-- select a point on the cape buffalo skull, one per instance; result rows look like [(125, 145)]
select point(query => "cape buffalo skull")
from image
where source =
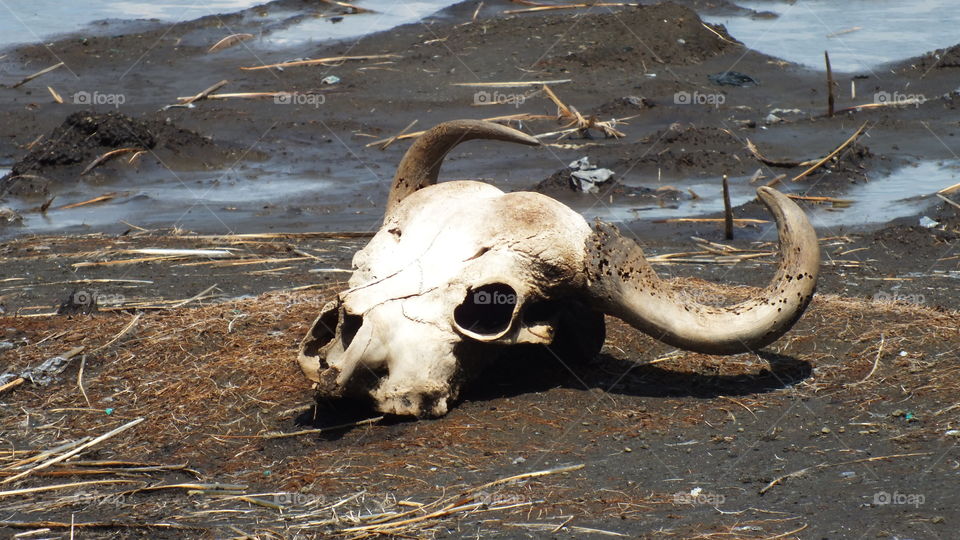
[(460, 268)]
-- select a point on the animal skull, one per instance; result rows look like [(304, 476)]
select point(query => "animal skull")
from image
[(459, 268)]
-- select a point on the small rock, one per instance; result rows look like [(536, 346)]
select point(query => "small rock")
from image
[(637, 101), (825, 430), (928, 223), (586, 177), (519, 460), (9, 216)]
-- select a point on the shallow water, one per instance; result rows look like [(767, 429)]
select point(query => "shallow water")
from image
[(389, 14), (221, 202), (29, 22), (889, 30), (710, 202), (256, 198), (900, 194), (36, 20)]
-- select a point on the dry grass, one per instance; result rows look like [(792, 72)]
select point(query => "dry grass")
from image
[(211, 381)]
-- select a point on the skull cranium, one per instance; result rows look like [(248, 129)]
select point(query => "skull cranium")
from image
[(459, 268)]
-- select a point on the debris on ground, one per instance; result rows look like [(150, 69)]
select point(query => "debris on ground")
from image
[(732, 78)]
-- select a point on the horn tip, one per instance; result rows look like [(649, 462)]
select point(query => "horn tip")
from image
[(770, 196), (532, 141)]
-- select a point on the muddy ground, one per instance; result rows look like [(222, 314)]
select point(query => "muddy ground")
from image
[(860, 396)]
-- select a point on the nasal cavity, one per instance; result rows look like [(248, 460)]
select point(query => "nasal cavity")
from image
[(323, 330), (541, 312), (351, 324), (486, 310)]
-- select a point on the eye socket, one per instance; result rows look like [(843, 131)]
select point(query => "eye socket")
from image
[(486, 310)]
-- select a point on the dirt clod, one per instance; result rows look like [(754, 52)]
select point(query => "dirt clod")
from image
[(85, 135)]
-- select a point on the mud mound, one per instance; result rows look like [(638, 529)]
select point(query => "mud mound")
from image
[(686, 150), (647, 35), (906, 235), (853, 163), (561, 185), (83, 137), (940, 59), (629, 40)]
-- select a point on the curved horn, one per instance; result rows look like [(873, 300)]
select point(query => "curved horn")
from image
[(421, 164), (626, 286)]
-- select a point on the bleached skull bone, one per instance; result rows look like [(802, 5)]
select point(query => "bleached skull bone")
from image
[(460, 269)]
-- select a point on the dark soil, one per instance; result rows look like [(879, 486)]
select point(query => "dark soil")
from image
[(678, 37), (810, 425), (940, 59), (684, 151)]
